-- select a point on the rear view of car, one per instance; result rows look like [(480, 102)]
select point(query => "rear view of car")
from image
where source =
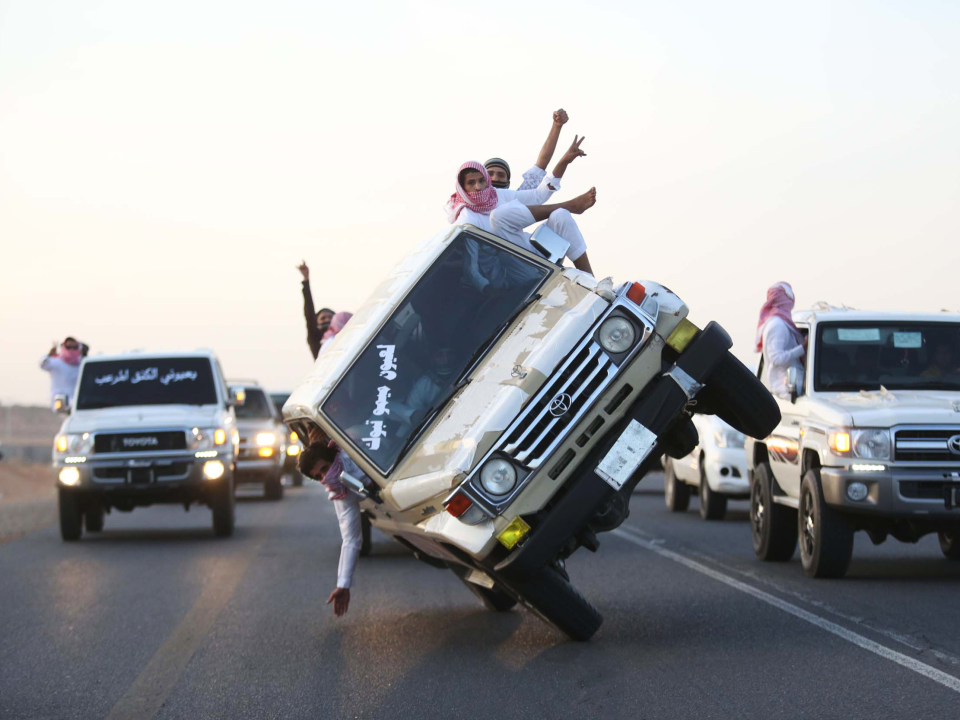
[(144, 430)]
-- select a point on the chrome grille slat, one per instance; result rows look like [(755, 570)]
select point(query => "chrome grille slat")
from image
[(547, 396), (924, 443), (611, 371), (523, 455)]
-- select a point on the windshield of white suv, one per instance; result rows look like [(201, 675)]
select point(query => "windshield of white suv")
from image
[(255, 407), (155, 381), (864, 356), (417, 360)]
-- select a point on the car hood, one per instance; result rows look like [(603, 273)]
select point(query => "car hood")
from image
[(885, 408), (143, 416)]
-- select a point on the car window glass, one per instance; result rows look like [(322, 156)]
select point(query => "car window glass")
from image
[(138, 381)]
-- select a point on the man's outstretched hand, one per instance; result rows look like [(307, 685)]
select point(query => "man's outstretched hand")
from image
[(560, 116), (341, 601), (304, 270), (574, 151)]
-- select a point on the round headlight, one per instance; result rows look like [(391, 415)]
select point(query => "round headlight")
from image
[(872, 444), (617, 335), (857, 491), (70, 476), (266, 438), (498, 477)]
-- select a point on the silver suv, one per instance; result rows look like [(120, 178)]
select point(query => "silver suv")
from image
[(263, 439)]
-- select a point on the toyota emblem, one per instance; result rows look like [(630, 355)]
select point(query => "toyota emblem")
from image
[(562, 403), (954, 444)]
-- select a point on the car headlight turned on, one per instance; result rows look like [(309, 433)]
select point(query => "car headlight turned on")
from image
[(498, 477), (213, 469), (617, 335), (74, 443), (266, 438), (868, 443), (70, 476)]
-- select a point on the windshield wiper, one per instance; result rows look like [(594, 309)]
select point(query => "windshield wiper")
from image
[(485, 345), (439, 404)]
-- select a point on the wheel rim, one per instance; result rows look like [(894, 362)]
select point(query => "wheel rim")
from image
[(757, 512), (808, 525)]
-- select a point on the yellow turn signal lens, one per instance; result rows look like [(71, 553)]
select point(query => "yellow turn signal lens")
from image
[(219, 436), (293, 437), (682, 335), (513, 533), (293, 449), (266, 452), (840, 442), (62, 443)]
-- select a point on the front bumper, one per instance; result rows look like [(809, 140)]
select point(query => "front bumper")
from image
[(726, 470), (586, 492), (169, 475), (897, 492)]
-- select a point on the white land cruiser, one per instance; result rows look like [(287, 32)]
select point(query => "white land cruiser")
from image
[(872, 442), (146, 429), (505, 408)]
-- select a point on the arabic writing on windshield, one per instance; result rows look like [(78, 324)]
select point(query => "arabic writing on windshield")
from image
[(420, 352), (866, 356), (157, 381)]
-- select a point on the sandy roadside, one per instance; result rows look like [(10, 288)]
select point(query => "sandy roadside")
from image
[(28, 499)]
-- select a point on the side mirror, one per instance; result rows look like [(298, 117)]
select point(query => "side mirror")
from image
[(238, 396), (61, 404), (549, 244), (792, 383)]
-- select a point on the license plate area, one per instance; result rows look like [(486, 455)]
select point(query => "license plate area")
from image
[(625, 457), (141, 476)]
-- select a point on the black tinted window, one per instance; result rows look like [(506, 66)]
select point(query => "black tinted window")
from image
[(158, 381)]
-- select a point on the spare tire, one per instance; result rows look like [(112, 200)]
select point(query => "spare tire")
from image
[(736, 396)]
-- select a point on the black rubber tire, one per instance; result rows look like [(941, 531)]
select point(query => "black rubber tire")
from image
[(713, 505), (736, 396), (548, 594), (681, 439), (71, 515), (676, 494), (366, 545), (494, 599), (296, 479), (826, 538), (273, 488), (223, 504), (93, 519), (950, 544), (772, 526)]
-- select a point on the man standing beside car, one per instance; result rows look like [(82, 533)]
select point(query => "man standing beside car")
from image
[(317, 322)]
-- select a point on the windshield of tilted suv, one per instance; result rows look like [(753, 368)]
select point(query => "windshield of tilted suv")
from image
[(417, 360), (905, 355), (255, 407), (157, 381)]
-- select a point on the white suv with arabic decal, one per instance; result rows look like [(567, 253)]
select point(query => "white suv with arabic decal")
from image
[(505, 408), (871, 442), (146, 429)]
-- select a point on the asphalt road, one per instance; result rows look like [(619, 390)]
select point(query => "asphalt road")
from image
[(155, 617)]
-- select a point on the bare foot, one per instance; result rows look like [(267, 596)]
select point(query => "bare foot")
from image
[(582, 202)]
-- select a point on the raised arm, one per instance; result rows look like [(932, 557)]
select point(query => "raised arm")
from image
[(309, 313), (550, 146), (572, 153)]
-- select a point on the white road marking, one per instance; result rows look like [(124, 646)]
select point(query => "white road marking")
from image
[(929, 672)]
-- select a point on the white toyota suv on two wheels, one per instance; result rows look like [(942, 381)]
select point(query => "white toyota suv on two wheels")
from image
[(146, 429), (871, 443)]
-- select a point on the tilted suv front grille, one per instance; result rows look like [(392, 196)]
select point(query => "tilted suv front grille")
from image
[(925, 444), (543, 424)]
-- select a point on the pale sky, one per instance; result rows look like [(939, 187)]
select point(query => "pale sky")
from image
[(164, 166)]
